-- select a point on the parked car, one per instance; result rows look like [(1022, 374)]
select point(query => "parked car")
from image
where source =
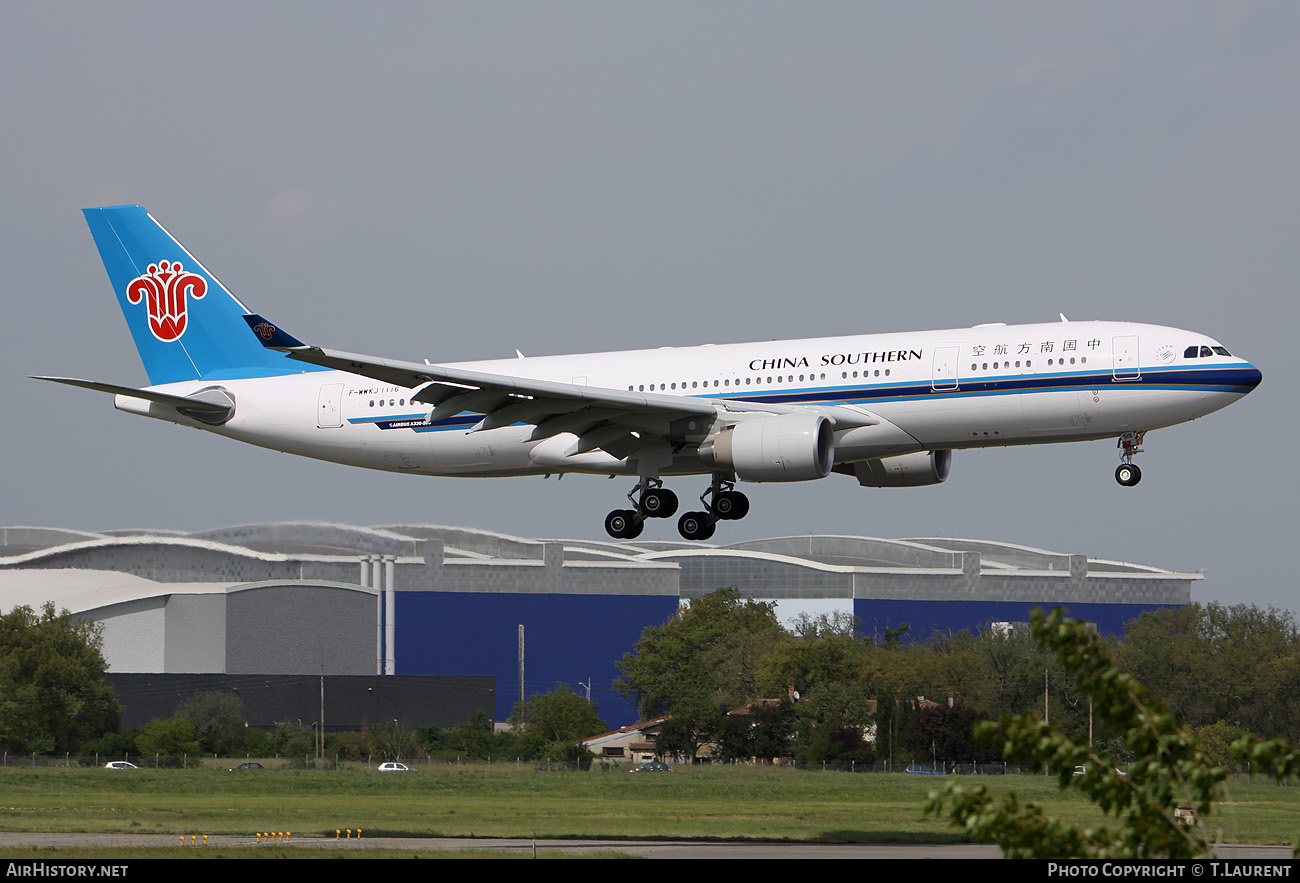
[(120, 765), (652, 767), (394, 768), (248, 765), (922, 769)]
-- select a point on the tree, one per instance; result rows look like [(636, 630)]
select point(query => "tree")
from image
[(1169, 770), (940, 734), (1208, 662), (833, 721), (217, 719), (473, 738), (774, 729), (1218, 740), (170, 737), (703, 661), (682, 736), (823, 625), (559, 717), (810, 662), (292, 739), (392, 742), (53, 692)]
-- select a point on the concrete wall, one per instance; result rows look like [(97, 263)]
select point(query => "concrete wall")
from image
[(350, 702), (131, 632), (195, 635), (301, 629)]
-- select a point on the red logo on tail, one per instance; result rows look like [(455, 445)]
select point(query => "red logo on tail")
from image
[(164, 289)]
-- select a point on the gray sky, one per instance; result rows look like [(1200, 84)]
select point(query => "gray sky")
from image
[(455, 180)]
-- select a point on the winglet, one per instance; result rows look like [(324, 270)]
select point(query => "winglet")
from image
[(273, 338)]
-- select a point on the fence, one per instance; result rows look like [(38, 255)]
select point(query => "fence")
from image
[(427, 762)]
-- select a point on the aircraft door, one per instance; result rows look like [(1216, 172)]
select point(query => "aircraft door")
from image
[(328, 415), (945, 368), (1127, 366)]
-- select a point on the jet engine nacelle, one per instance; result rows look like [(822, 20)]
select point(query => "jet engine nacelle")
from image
[(787, 447), (907, 470)]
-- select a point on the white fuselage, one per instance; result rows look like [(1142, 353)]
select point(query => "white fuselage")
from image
[(931, 390)]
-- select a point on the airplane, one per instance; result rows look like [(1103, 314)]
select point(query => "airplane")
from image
[(886, 409)]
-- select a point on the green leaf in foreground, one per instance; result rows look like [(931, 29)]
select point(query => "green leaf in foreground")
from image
[(1171, 770)]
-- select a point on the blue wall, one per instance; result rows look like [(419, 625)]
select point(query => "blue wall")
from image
[(923, 617), (568, 638)]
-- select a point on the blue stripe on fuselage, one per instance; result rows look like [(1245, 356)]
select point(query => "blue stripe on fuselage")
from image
[(1239, 379)]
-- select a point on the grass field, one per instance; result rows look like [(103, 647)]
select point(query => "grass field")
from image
[(709, 802)]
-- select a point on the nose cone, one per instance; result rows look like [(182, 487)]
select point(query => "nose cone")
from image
[(1249, 377)]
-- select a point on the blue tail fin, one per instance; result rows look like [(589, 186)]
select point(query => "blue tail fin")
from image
[(186, 325)]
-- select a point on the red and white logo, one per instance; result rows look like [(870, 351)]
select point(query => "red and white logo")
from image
[(165, 288)]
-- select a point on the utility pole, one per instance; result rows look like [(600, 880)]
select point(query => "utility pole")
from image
[(320, 729), (521, 662)]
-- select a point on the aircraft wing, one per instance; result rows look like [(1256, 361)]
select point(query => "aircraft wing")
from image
[(614, 420)]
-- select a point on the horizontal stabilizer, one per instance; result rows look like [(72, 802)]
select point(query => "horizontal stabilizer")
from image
[(215, 406)]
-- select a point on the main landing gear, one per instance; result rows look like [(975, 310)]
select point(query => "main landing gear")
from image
[(650, 499), (655, 501), (722, 502), (1127, 473)]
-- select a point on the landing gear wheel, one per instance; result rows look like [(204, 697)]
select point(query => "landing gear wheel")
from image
[(730, 505), (622, 524), (1128, 475), (695, 526), (658, 503)]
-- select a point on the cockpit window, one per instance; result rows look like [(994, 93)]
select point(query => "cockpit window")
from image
[(1193, 352)]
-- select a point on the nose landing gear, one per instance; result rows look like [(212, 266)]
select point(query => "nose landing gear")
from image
[(1127, 473)]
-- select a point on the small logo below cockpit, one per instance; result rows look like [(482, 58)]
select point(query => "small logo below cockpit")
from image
[(165, 288)]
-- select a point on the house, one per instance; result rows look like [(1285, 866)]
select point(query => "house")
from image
[(634, 743)]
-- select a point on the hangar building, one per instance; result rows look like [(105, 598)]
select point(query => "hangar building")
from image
[(308, 599)]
